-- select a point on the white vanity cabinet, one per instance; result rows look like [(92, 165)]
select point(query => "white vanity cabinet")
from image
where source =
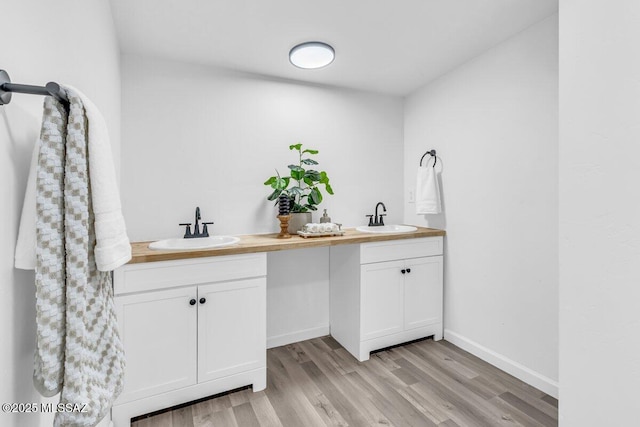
[(386, 293), (190, 328)]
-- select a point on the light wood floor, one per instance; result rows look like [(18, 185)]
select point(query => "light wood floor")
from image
[(426, 383)]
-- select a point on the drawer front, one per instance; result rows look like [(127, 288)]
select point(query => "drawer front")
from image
[(165, 274), (400, 249)]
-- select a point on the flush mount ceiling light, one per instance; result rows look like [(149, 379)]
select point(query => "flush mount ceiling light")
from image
[(312, 55)]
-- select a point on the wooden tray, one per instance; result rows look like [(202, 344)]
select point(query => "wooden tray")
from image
[(321, 234)]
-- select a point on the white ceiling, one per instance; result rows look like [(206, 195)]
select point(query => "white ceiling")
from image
[(392, 46)]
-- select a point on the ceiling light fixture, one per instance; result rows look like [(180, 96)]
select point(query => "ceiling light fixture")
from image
[(312, 55)]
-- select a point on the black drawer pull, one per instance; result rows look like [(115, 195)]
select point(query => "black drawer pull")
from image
[(403, 271), (192, 301), (203, 300), (408, 270)]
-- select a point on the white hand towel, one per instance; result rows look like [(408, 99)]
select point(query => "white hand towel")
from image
[(427, 191)]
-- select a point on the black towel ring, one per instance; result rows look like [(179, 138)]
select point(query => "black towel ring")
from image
[(431, 153)]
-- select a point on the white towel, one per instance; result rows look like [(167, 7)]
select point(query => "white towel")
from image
[(112, 243), (427, 191), (25, 257)]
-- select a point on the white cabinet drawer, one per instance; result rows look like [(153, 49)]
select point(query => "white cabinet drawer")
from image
[(400, 249), (164, 274)]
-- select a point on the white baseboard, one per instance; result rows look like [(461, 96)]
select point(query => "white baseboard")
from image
[(305, 334), (512, 367)]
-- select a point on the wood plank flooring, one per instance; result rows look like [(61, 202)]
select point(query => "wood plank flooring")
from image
[(426, 383)]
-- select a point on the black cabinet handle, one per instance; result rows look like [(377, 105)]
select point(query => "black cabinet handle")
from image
[(203, 300), (408, 270), (403, 271), (192, 302)]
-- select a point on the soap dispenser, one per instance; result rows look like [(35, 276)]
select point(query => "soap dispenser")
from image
[(325, 218)]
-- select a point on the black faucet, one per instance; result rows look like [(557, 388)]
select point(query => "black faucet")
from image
[(196, 231), (377, 220)]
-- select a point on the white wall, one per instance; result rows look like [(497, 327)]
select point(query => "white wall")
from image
[(198, 136), (599, 213), (297, 295), (69, 42), (494, 124)]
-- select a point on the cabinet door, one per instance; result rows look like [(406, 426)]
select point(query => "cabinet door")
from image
[(381, 299), (232, 328), (158, 330), (423, 292)]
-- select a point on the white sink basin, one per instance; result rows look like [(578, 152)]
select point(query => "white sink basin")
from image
[(387, 229), (196, 243)]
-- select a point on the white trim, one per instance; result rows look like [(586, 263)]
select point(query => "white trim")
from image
[(121, 414), (297, 336), (512, 367), (366, 347)]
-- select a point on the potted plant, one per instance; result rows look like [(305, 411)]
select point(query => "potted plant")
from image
[(302, 187)]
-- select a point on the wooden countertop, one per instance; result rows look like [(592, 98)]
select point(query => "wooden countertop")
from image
[(250, 243)]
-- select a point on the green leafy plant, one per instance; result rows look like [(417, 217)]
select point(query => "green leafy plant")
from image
[(304, 193)]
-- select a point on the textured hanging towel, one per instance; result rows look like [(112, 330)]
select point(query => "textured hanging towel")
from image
[(427, 191), (78, 350), (49, 257)]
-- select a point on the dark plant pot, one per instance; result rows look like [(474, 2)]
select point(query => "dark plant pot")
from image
[(298, 220)]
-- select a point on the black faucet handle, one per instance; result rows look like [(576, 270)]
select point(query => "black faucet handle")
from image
[(205, 229), (381, 221), (370, 220), (187, 232)]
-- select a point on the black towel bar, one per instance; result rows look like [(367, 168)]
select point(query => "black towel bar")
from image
[(7, 88)]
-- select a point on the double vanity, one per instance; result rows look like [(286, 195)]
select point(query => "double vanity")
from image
[(193, 322)]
